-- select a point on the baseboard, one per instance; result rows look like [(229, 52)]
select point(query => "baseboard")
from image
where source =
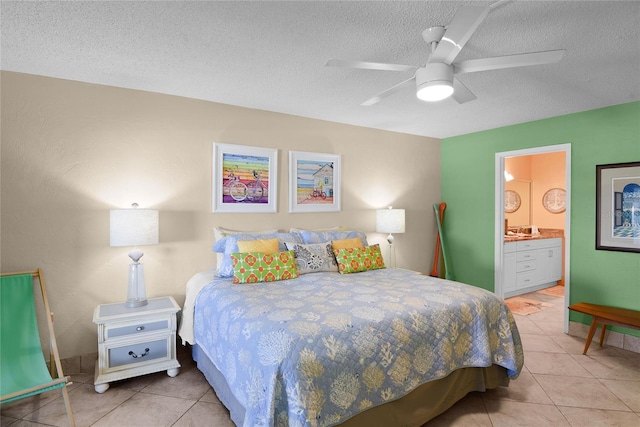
[(84, 364), (611, 338)]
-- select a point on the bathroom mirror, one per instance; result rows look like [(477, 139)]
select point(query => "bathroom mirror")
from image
[(517, 202)]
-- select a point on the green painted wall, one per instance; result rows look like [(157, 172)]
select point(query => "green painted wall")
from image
[(606, 135)]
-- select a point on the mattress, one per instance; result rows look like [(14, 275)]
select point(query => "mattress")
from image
[(325, 347)]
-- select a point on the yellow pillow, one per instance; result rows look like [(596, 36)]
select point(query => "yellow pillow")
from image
[(347, 243), (267, 246)]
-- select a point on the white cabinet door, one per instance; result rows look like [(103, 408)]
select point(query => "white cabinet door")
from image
[(549, 264), (555, 267)]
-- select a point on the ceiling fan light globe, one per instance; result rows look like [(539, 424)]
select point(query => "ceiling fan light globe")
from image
[(434, 82), (434, 91)]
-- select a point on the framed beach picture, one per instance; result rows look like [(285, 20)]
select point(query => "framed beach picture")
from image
[(245, 179), (618, 207), (314, 182)]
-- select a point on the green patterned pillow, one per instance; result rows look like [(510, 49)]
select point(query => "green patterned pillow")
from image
[(254, 267), (355, 260)]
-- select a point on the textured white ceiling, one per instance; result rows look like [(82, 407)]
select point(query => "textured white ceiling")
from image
[(271, 55)]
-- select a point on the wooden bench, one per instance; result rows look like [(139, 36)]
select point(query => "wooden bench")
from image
[(605, 315)]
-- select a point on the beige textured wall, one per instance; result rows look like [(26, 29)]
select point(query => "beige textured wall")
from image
[(72, 151)]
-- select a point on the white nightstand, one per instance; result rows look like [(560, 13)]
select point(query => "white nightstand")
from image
[(135, 341)]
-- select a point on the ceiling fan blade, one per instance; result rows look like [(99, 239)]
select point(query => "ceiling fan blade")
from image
[(384, 94), (369, 65), (460, 92), (509, 61), (463, 25)]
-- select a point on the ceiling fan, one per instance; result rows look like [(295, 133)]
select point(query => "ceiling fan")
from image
[(436, 80)]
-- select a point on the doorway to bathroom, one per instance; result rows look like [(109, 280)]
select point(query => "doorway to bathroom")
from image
[(533, 193)]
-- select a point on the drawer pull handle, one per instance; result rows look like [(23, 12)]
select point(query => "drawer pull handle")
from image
[(135, 356), (140, 328)]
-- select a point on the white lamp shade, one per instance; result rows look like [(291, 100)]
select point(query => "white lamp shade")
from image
[(390, 220), (133, 227)]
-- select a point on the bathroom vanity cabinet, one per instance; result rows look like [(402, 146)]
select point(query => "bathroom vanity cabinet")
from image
[(531, 265)]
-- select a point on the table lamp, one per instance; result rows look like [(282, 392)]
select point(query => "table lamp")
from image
[(390, 221), (134, 227)]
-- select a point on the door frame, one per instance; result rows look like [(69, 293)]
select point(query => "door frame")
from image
[(499, 217)]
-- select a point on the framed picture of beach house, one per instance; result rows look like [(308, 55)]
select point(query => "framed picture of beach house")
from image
[(245, 179), (314, 182)]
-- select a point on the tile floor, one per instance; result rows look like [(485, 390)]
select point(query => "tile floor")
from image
[(558, 386)]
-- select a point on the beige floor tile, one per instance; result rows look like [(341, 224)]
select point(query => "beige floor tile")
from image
[(82, 378), (526, 326), (147, 410), (611, 368), (579, 392), (504, 413), (599, 417), (205, 414), (87, 406), (539, 343), (570, 344), (25, 423), (468, 412), (188, 384), (549, 328), (546, 316), (523, 389), (210, 396), (553, 364), (627, 391), (21, 408), (6, 421)]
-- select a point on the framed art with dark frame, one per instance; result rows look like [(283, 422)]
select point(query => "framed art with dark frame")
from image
[(314, 182), (618, 207), (245, 179)]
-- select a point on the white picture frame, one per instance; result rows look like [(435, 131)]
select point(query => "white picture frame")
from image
[(245, 179), (314, 182)]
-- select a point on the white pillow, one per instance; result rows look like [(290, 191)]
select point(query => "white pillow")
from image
[(221, 233)]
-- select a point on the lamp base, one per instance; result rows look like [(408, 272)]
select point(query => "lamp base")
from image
[(136, 303), (136, 293)]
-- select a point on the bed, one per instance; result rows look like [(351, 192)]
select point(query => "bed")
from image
[(379, 347)]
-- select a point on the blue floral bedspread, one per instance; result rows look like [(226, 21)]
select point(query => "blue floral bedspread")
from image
[(319, 349)]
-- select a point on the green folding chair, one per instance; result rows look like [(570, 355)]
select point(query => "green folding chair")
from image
[(23, 369)]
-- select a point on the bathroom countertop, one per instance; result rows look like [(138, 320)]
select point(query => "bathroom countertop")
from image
[(545, 233)]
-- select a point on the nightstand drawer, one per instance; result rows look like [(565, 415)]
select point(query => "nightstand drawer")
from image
[(137, 353), (137, 328)]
